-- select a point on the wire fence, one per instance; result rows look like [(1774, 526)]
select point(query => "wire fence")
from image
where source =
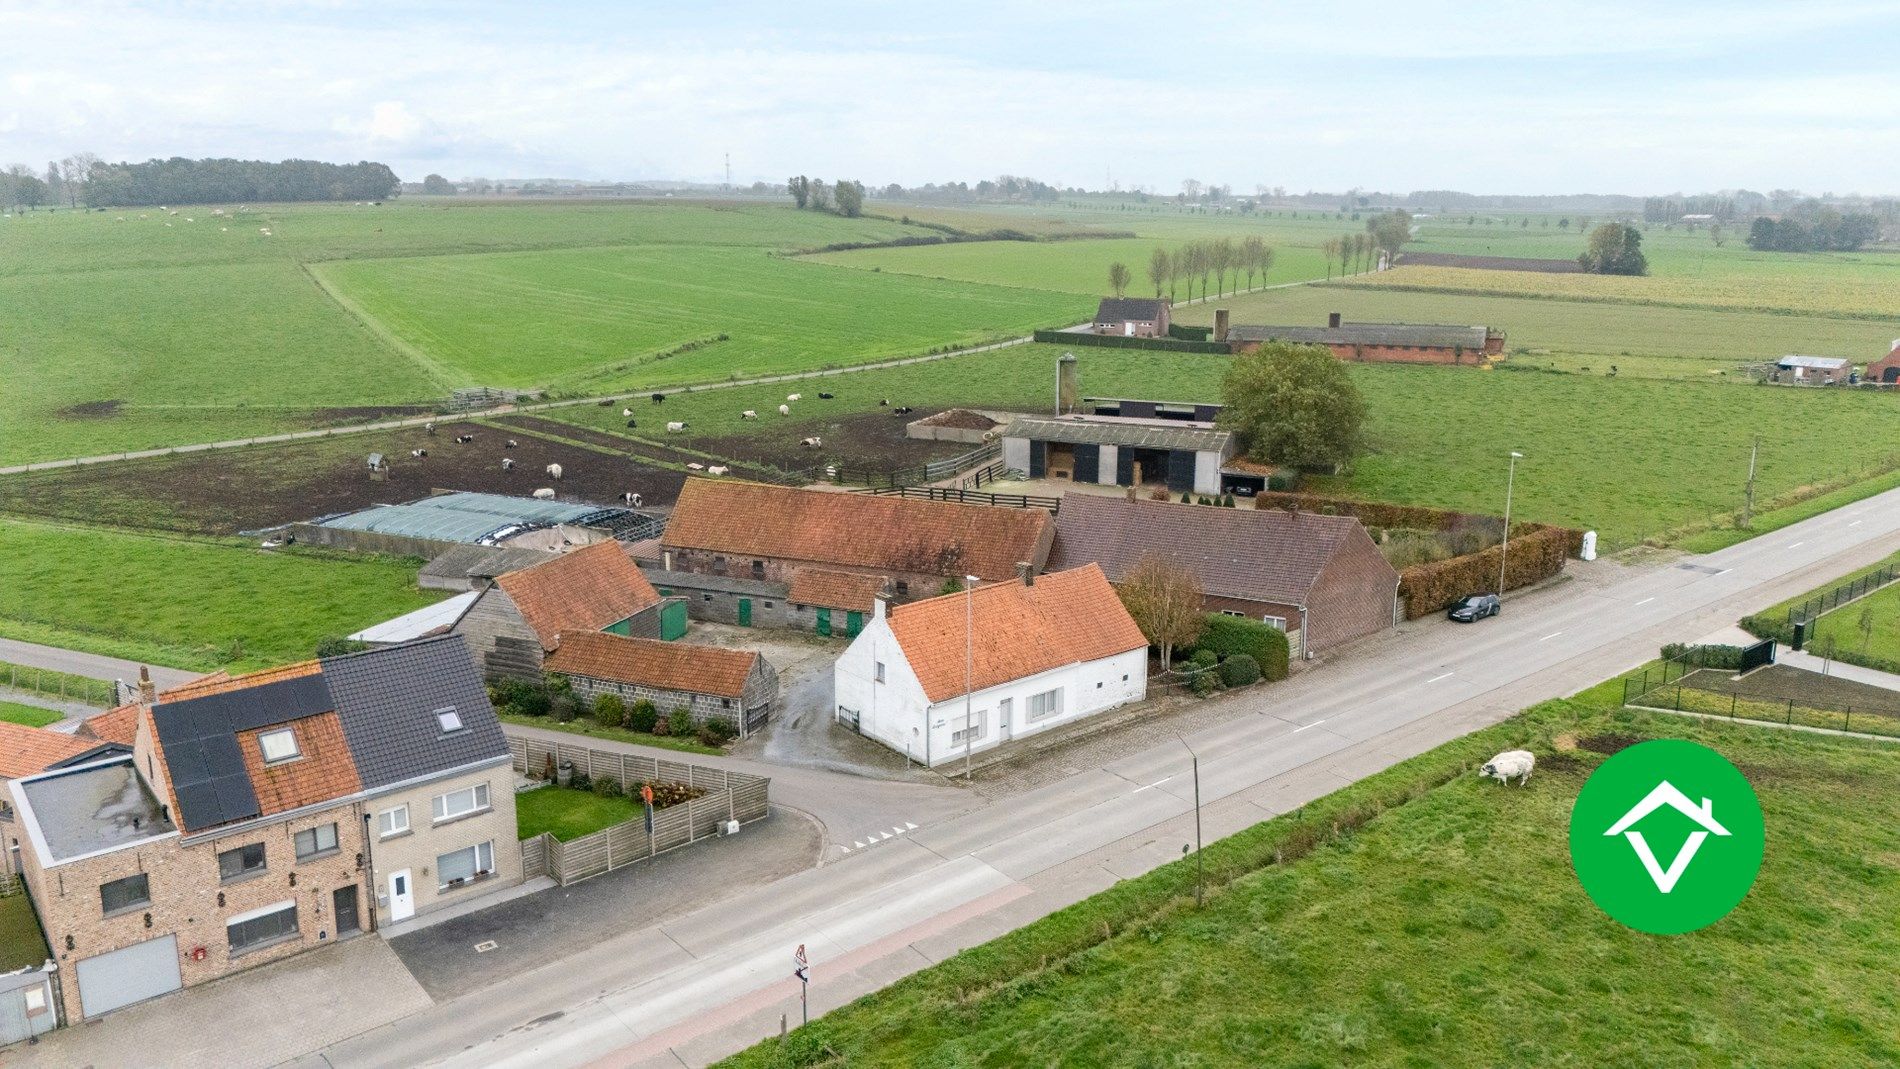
[(61, 685), (1808, 710), (1821, 604)]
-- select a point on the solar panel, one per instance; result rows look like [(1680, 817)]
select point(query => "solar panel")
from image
[(199, 737)]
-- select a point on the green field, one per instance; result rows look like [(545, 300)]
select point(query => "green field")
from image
[(1079, 267), (32, 716), (197, 605), (1425, 917)]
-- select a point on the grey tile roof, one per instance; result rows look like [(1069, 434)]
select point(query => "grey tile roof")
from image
[(1136, 435), (388, 700), (461, 562), (1415, 335), (1121, 309), (1253, 554)]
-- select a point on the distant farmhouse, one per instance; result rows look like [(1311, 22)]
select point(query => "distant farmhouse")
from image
[(1812, 370), (1380, 343), (1886, 370), (513, 625), (1132, 317)]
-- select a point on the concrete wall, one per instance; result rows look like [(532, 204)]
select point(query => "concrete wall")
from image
[(715, 599), (746, 713), (418, 848), (1016, 454), (310, 534)]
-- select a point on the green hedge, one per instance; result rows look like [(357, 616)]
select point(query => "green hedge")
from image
[(1186, 333), (1232, 636), (1117, 341)]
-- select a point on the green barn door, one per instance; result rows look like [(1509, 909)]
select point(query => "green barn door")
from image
[(673, 620), (745, 612), (824, 622), (853, 623)]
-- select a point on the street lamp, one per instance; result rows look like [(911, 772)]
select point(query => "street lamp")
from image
[(1510, 481), (969, 667), (1200, 868)]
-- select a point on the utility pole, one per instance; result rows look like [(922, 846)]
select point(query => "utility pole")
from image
[(1200, 866), (728, 172), (1504, 547), (1748, 498)]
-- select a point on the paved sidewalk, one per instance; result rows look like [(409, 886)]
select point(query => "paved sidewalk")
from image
[(1873, 677)]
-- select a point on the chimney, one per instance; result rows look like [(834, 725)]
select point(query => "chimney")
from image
[(1066, 385), (1220, 324), (148, 692), (1332, 320), (1027, 571), (879, 602)]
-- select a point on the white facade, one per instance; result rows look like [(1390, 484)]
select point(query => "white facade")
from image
[(873, 683), (1207, 472)]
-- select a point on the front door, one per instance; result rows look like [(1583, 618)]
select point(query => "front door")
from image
[(402, 896), (745, 612), (1003, 709), (853, 622), (824, 622), (347, 922)]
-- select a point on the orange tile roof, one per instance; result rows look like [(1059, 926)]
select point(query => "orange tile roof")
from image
[(221, 681), (857, 530), (834, 590), (323, 769), (649, 662), (119, 725), (25, 750), (1064, 618), (587, 590)]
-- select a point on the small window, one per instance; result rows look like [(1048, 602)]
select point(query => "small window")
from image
[(461, 803), (880, 671), (1230, 612), (392, 821), (903, 588), (129, 893), (318, 840), (705, 597), (279, 745), (1278, 623), (1045, 705), (464, 865), (758, 569), (239, 861), (768, 604), (449, 719), (967, 734), (725, 703), (719, 565), (273, 927)]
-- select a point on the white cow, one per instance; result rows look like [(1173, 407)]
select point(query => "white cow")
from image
[(554, 471), (717, 469), (676, 426), (794, 396), (546, 493), (1510, 763), (785, 410)]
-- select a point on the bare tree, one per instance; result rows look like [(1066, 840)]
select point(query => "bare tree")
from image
[(1252, 251), (1191, 188), (1166, 601), (1330, 250), (1224, 258), (1160, 265), (1118, 277)]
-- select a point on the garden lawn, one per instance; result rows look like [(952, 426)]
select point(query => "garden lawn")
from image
[(1447, 929), (32, 716), (190, 604), (21, 944), (569, 814)]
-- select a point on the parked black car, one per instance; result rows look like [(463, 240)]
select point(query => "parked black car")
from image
[(1474, 607)]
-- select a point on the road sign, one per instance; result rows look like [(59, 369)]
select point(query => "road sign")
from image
[(802, 970)]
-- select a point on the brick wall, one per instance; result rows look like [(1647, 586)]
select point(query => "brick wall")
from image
[(1355, 594)]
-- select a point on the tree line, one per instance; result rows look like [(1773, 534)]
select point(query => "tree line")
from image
[(85, 178), (844, 197), (1208, 261), (1813, 227), (63, 182)]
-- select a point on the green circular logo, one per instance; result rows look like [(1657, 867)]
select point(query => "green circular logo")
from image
[(1667, 837)]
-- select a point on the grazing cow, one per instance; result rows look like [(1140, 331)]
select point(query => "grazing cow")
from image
[(748, 414), (794, 396), (884, 402), (464, 439), (902, 411), (430, 427), (659, 398), (717, 469), (1508, 764), (826, 396), (418, 453), (694, 465), (554, 471), (631, 498), (546, 493), (507, 463), (812, 443), (677, 426), (785, 410), (510, 444), (633, 423)]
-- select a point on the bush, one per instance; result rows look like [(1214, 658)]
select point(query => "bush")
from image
[(610, 711), (1205, 683), (1204, 658), (661, 727), (1705, 656), (680, 721), (1240, 670), (606, 786), (642, 716), (1229, 636), (336, 647), (563, 708), (717, 732), (579, 780)]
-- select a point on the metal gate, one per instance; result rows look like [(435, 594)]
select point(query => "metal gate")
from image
[(134, 974), (673, 620), (1756, 656), (824, 622)]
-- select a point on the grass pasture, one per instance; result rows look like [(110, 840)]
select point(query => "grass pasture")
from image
[(1426, 917), (32, 716), (1079, 267)]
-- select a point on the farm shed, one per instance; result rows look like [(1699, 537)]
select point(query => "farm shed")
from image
[(739, 687), (513, 624), (1382, 343), (1120, 451), (426, 527), (1132, 317), (1141, 408), (1811, 370), (1886, 370), (1040, 653), (827, 602), (1319, 578), (470, 567), (723, 599)]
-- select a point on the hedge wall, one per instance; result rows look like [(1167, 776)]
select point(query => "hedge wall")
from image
[(1536, 553), (1117, 341), (1187, 333), (1231, 636)]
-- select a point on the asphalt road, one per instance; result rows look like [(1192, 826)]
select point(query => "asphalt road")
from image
[(692, 989), (93, 665)]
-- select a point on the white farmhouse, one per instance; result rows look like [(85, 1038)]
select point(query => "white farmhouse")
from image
[(1041, 652)]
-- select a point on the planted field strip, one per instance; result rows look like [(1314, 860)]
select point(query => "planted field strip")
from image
[(61, 685), (1787, 288), (729, 796)]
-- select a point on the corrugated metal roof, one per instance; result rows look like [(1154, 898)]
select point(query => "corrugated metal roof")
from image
[(421, 623), (1134, 435), (1415, 335), (469, 517), (1824, 363)]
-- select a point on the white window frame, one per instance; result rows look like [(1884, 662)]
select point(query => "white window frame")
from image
[(265, 739), (386, 822), (1278, 623), (982, 718), (449, 720), (316, 839), (484, 864), (440, 806), (1050, 703)]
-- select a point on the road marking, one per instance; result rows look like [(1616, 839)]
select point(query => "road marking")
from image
[(897, 830), (908, 825), (1435, 679), (1646, 601), (858, 844), (845, 848), (1795, 545), (1550, 636), (1856, 523), (1156, 783), (1303, 727), (485, 947), (884, 836)]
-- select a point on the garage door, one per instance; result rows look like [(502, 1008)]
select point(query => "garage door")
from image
[(127, 976)]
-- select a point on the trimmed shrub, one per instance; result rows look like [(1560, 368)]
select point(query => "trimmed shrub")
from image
[(680, 721), (563, 708), (717, 732), (1228, 636), (1704, 656), (606, 786), (1205, 683), (1240, 670), (579, 780), (610, 711), (642, 716), (1204, 658)]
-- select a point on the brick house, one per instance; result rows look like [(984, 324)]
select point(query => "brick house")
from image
[(730, 545), (1040, 653), (711, 682), (825, 602), (513, 624), (1886, 370), (1382, 343), (241, 827), (1132, 317), (1319, 578)]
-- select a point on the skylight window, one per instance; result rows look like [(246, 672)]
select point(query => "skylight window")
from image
[(449, 719), (279, 745)]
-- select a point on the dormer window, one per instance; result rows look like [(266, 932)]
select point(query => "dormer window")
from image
[(449, 719), (279, 745)]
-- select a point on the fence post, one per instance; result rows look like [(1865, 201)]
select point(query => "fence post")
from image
[(1731, 705), (1678, 697), (1790, 717), (1848, 719)]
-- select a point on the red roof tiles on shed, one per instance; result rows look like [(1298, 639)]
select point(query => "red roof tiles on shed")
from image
[(649, 662), (587, 590)]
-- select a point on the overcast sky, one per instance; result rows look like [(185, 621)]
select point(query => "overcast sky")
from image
[(1633, 96)]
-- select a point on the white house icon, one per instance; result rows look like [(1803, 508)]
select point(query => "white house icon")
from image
[(1667, 794)]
